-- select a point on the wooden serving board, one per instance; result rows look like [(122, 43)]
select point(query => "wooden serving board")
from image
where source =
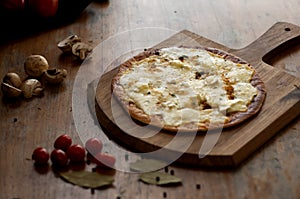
[(234, 145)]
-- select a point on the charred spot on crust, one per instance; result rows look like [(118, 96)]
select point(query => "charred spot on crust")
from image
[(157, 53)]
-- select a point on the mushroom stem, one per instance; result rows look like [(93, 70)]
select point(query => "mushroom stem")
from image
[(81, 50)]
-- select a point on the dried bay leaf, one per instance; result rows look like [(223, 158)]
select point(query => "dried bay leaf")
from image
[(159, 178), (146, 165), (87, 179)]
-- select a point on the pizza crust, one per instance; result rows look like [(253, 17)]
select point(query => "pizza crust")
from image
[(155, 120)]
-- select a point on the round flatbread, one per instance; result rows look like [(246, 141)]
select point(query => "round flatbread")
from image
[(188, 88)]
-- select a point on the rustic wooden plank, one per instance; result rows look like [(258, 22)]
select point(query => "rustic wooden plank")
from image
[(276, 39), (236, 144), (272, 172)]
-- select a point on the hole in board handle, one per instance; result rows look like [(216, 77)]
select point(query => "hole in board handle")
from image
[(286, 55), (287, 29)]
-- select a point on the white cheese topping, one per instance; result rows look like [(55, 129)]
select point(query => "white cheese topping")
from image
[(186, 85)]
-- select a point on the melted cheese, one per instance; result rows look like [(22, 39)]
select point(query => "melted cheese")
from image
[(178, 82)]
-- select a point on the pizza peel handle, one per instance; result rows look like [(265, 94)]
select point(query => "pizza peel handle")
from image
[(279, 37)]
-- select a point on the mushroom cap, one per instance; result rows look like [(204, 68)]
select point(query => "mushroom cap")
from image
[(31, 87), (55, 76), (35, 65), (66, 44), (81, 49), (13, 79)]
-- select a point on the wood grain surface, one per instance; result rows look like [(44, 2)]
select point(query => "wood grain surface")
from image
[(271, 172), (234, 144)]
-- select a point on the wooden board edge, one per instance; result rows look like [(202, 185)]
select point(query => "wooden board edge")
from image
[(241, 153), (230, 159)]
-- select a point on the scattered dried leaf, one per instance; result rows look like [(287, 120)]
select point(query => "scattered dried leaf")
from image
[(87, 179), (159, 178)]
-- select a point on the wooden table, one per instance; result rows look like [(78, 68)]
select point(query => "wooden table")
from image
[(271, 172)]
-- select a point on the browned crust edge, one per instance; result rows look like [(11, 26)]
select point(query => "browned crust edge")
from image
[(155, 120)]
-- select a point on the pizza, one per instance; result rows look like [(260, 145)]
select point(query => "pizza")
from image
[(188, 88)]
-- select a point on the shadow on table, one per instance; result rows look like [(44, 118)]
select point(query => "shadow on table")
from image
[(18, 25)]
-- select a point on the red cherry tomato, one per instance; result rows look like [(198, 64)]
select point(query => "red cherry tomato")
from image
[(105, 160), (63, 142), (93, 146), (13, 4), (45, 8), (76, 153), (59, 158), (40, 155)]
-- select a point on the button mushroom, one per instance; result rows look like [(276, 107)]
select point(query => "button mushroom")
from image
[(81, 50), (10, 85), (12, 79), (55, 76), (10, 91), (66, 44), (35, 65), (31, 87)]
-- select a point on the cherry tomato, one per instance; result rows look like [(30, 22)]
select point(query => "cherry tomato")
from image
[(105, 160), (76, 153), (77, 166), (13, 4), (45, 8), (93, 146), (59, 158), (63, 142), (40, 155)]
